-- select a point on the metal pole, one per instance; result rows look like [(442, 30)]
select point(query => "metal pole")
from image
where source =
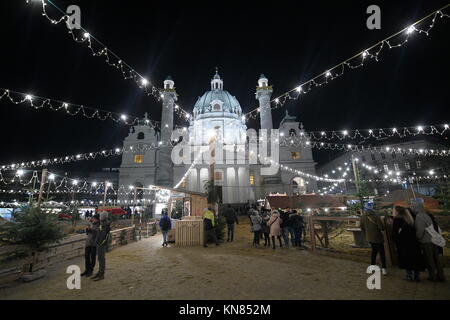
[(32, 191), (134, 209), (41, 189), (106, 191), (48, 189), (356, 174)]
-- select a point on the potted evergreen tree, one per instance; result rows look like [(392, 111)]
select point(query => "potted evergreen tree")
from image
[(33, 228)]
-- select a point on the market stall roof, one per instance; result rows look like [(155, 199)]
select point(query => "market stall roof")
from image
[(311, 201), (403, 197)]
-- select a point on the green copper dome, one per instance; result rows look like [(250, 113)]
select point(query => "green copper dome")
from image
[(217, 100)]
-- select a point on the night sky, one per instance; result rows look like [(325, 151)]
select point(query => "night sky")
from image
[(290, 42)]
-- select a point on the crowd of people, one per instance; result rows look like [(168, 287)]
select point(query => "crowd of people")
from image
[(417, 238), (286, 226)]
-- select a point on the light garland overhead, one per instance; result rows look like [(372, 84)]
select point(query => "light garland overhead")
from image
[(356, 61), (378, 133), (300, 173), (83, 36), (80, 157), (295, 141), (112, 59), (70, 108)]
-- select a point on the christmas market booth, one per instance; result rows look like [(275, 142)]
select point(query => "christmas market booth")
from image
[(185, 209)]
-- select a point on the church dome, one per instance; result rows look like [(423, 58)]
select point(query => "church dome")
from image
[(217, 102)]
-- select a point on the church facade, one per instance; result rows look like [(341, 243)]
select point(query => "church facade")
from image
[(216, 113)]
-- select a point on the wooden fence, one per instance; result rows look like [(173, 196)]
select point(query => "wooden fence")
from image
[(68, 248), (189, 232), (314, 235)]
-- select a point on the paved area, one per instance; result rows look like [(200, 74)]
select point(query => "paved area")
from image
[(146, 270)]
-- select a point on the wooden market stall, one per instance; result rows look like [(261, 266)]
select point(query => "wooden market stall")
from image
[(185, 209)]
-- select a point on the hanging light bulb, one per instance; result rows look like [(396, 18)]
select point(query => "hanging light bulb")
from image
[(410, 30)]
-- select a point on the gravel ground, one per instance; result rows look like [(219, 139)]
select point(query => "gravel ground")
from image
[(145, 270)]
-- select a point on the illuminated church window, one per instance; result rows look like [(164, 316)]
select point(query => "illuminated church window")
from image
[(138, 158)]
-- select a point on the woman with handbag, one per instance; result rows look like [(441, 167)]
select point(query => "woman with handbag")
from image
[(275, 227), (408, 249), (256, 227), (430, 241)]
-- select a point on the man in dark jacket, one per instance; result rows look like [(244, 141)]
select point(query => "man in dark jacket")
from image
[(209, 226), (102, 244), (231, 219), (90, 250), (297, 227), (284, 215), (373, 228)]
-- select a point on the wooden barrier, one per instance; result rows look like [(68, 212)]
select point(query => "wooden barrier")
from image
[(121, 237), (389, 244), (189, 232), (66, 249), (312, 230)]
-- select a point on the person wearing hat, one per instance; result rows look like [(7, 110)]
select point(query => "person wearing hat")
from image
[(90, 250), (102, 244), (373, 228)]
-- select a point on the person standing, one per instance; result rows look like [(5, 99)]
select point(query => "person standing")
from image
[(408, 249), (256, 227), (102, 244), (209, 226), (284, 215), (90, 250), (275, 227), (429, 249), (296, 228), (165, 225), (265, 229), (231, 218), (372, 226)]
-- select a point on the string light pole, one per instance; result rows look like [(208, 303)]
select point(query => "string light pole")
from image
[(106, 191), (356, 174), (41, 189)]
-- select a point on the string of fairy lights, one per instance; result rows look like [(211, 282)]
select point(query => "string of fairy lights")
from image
[(379, 133), (302, 143), (356, 61), (312, 139), (98, 49), (323, 78), (71, 109)]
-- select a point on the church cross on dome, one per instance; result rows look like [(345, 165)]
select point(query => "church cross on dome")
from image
[(216, 82)]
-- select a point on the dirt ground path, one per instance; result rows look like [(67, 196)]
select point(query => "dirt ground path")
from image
[(145, 270)]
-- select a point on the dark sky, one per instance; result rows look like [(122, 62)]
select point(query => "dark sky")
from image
[(288, 41)]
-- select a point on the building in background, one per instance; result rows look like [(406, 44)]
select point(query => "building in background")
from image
[(387, 170), (216, 112)]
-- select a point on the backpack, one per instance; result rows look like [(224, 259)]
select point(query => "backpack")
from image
[(436, 238), (165, 224)]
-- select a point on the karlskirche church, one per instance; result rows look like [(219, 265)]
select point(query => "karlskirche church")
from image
[(216, 111)]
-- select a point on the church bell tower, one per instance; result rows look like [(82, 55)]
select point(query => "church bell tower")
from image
[(165, 165)]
